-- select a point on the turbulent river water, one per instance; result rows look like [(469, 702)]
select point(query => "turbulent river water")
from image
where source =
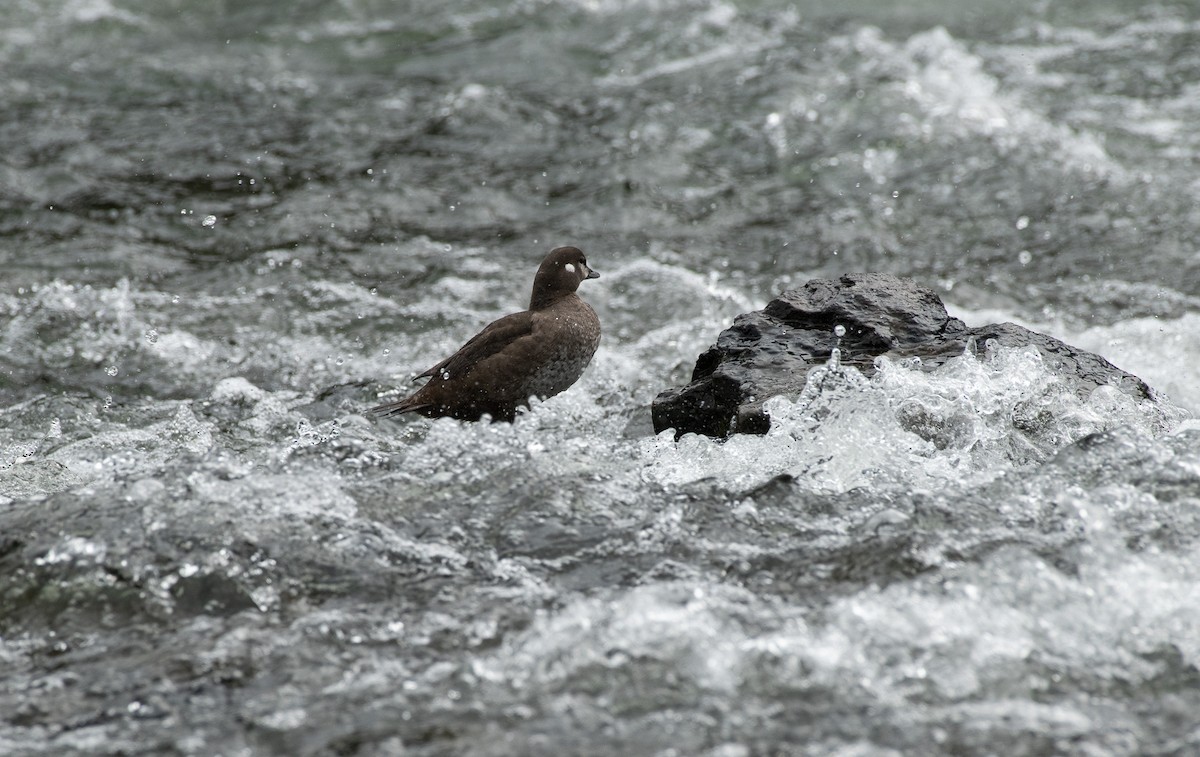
[(227, 228)]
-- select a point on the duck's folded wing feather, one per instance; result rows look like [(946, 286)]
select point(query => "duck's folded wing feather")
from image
[(494, 338)]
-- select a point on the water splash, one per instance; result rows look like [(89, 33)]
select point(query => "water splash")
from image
[(835, 354), (965, 422)]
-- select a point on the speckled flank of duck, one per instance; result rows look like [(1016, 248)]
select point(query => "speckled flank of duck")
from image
[(538, 352)]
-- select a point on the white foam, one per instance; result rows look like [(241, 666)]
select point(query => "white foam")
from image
[(1165, 353), (942, 90), (967, 421), (974, 630), (687, 626)]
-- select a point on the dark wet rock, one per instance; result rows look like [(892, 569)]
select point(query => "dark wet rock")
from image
[(770, 351)]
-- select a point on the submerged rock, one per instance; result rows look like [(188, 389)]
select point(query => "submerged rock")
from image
[(770, 351)]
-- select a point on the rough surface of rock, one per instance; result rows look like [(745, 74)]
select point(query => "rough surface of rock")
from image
[(770, 351)]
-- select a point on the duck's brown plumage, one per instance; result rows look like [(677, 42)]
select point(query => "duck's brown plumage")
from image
[(537, 352)]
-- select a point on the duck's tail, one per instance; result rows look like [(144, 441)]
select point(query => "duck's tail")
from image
[(406, 405)]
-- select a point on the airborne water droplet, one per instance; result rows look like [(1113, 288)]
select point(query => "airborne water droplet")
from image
[(112, 370), (835, 354), (209, 221)]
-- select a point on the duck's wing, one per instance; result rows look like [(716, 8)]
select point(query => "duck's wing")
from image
[(496, 336)]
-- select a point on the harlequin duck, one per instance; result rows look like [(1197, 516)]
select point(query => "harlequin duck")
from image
[(538, 352)]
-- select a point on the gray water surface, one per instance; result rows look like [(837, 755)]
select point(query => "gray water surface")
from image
[(228, 228)]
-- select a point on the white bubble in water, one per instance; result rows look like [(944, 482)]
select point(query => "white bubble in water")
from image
[(152, 336), (209, 221), (112, 370), (839, 330), (1023, 223), (1024, 257)]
